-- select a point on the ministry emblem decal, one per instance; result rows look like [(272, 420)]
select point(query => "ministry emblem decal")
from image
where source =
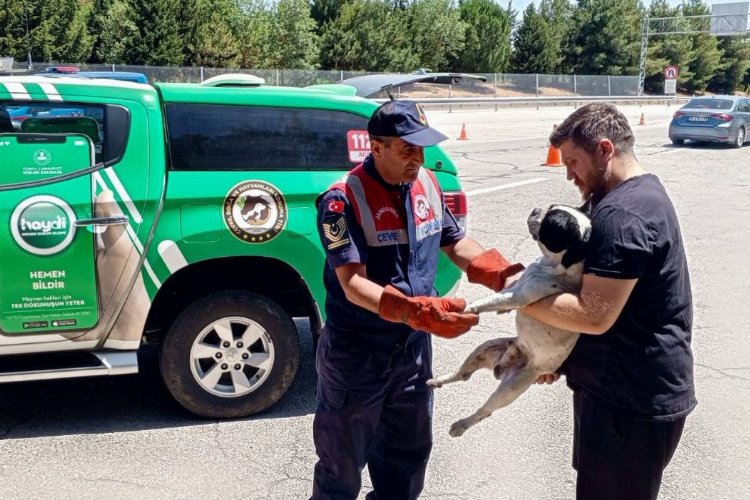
[(255, 211)]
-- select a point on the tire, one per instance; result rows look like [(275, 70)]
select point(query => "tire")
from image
[(678, 142), (229, 355), (740, 140)]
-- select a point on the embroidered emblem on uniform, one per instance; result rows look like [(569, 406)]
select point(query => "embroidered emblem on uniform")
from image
[(336, 206), (336, 233), (422, 117), (421, 207)]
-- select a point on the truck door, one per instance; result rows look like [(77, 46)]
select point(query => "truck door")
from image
[(74, 221), (48, 282)]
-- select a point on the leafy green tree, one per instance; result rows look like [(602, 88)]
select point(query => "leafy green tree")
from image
[(605, 37), (12, 29), (253, 25), (117, 30), (487, 39), (735, 63), (706, 55), (63, 30), (158, 41), (666, 50), (533, 45), (324, 11), (368, 35), (557, 14), (293, 39), (207, 34), (437, 32)]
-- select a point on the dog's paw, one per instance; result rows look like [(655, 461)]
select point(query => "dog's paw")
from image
[(434, 383), (457, 429)]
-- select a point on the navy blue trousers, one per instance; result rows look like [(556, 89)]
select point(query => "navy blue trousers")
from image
[(374, 408), (618, 458)]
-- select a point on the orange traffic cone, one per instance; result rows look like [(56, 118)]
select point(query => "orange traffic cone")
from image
[(643, 120), (462, 135), (553, 155)]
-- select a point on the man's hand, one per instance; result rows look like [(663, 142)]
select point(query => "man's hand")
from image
[(491, 269), (442, 317), (548, 378)]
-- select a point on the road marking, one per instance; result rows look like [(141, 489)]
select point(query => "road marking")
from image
[(507, 186)]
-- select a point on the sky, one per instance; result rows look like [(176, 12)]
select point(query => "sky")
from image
[(520, 5)]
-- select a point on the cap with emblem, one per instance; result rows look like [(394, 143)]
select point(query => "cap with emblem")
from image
[(406, 120)]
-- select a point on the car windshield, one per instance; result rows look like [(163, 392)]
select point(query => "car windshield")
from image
[(724, 104)]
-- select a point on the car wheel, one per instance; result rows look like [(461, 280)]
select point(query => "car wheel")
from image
[(229, 355), (740, 138), (678, 142)]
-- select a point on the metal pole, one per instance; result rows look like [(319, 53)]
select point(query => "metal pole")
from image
[(644, 49), (28, 38), (609, 85), (495, 91), (537, 90), (575, 85)]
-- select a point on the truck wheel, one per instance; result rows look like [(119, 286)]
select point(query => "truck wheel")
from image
[(230, 354)]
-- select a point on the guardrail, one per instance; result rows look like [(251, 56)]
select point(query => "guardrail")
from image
[(539, 100)]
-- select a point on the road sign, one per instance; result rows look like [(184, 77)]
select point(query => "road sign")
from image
[(671, 73), (670, 86)]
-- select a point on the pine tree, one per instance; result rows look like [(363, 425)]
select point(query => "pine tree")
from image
[(117, 32), (557, 14), (294, 39), (62, 34), (206, 33), (437, 32), (159, 41), (13, 41), (605, 37), (487, 47), (533, 49)]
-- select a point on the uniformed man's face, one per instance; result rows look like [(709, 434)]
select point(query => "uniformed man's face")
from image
[(397, 160)]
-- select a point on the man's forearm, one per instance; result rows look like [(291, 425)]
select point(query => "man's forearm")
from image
[(568, 312)]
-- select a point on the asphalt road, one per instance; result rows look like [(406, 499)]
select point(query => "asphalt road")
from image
[(124, 437)]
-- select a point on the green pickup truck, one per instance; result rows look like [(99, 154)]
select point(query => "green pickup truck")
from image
[(176, 214)]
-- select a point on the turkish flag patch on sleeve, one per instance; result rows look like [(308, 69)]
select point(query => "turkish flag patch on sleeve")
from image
[(335, 206)]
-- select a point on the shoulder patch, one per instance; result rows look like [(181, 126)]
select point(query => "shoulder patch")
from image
[(336, 231)]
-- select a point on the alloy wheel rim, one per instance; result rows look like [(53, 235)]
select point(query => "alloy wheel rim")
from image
[(232, 357)]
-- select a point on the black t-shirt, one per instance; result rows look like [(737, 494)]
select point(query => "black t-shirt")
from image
[(643, 365)]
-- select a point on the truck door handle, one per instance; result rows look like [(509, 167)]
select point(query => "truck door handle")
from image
[(114, 220)]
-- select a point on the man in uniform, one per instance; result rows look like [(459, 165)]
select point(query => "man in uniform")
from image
[(383, 228)]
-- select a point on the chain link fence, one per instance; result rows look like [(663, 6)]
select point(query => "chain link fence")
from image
[(496, 84)]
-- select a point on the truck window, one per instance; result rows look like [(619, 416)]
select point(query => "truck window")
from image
[(108, 125), (54, 118), (228, 137)]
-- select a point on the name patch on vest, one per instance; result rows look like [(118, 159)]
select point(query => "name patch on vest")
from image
[(428, 228)]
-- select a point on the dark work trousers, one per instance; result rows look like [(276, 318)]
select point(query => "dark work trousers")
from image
[(618, 458), (374, 408)]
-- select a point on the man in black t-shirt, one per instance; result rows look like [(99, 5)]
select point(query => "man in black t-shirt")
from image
[(632, 370)]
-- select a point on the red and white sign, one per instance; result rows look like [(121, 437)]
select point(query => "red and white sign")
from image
[(358, 142), (671, 73)]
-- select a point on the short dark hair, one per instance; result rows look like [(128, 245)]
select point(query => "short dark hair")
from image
[(385, 140), (589, 124)]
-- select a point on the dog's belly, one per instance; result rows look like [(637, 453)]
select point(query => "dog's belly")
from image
[(546, 347)]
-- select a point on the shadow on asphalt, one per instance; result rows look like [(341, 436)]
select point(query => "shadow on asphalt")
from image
[(710, 146), (129, 402)]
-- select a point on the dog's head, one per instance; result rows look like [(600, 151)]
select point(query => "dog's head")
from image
[(561, 232)]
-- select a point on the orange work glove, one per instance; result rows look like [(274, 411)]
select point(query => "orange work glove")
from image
[(442, 317), (491, 269)]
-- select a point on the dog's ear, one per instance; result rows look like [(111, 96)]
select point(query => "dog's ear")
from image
[(586, 207), (577, 250)]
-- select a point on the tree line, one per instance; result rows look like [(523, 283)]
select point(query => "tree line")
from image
[(594, 37)]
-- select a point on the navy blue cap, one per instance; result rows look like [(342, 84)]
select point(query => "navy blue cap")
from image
[(406, 120)]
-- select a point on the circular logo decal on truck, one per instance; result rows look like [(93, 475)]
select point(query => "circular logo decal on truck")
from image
[(255, 211), (43, 225)]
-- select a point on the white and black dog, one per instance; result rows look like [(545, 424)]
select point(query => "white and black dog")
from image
[(562, 233)]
